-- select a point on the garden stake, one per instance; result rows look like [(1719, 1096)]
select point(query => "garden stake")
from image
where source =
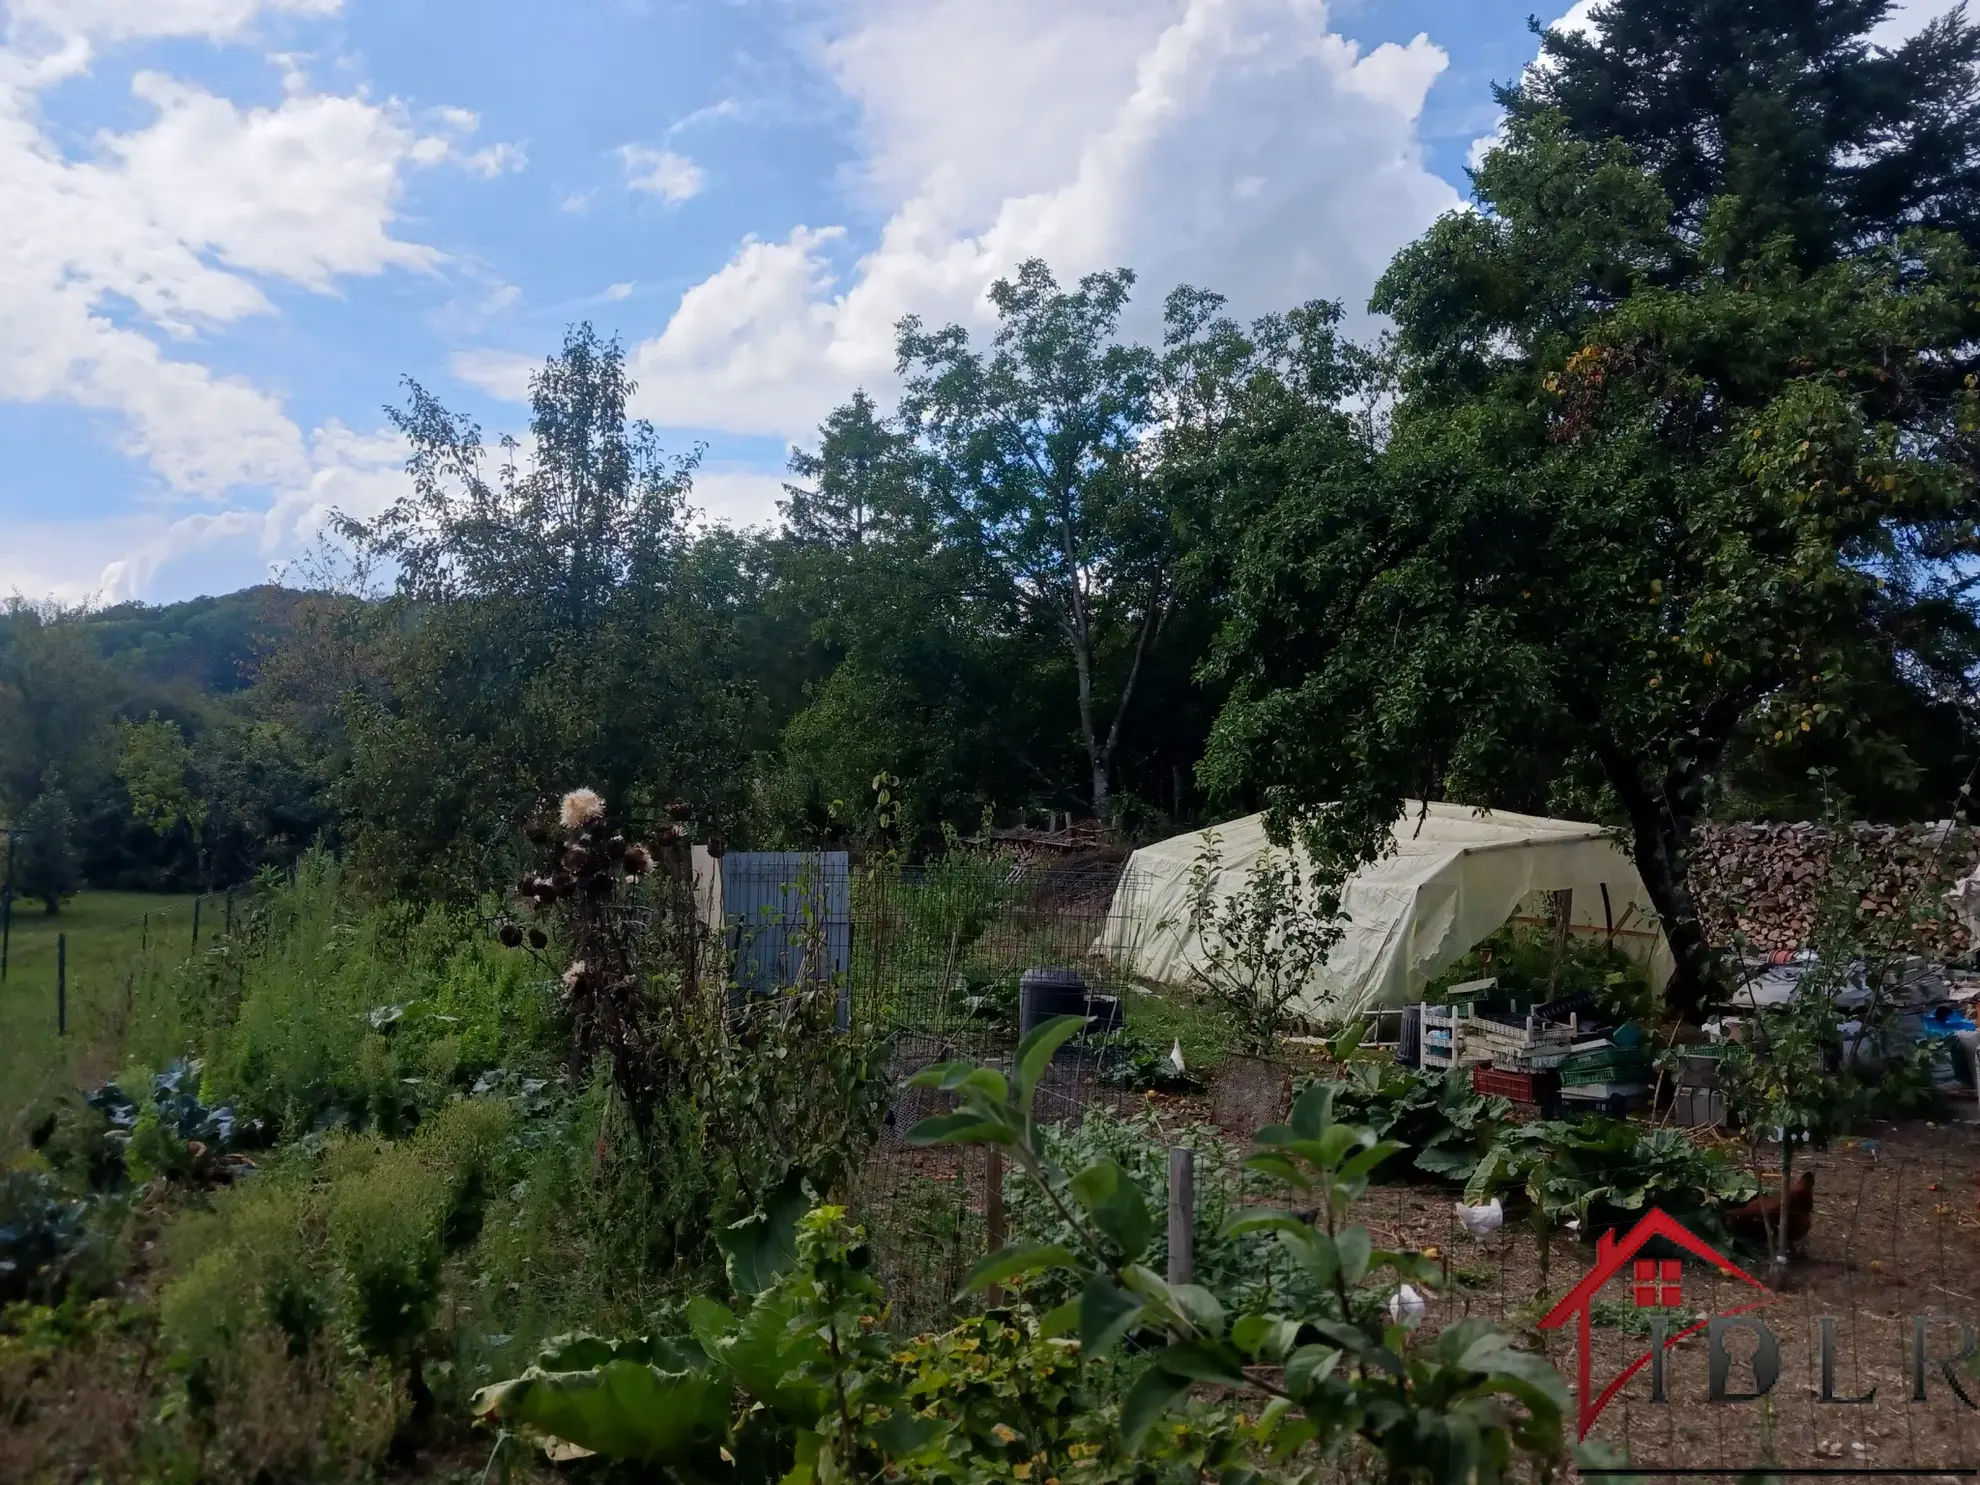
[(1182, 1215), (993, 1212), (195, 942), (61, 984), (6, 931)]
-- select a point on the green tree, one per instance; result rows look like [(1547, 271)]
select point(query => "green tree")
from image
[(55, 701), (914, 666), (45, 861), (1783, 105), (1035, 461), (1637, 493), (550, 625), (155, 765)]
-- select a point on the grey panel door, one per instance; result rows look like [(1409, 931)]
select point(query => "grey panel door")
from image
[(789, 916)]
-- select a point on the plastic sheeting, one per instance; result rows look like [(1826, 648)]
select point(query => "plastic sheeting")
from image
[(1454, 876)]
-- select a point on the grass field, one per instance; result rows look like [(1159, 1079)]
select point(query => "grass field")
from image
[(110, 936)]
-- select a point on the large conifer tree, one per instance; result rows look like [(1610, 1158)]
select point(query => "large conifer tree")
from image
[(1787, 105)]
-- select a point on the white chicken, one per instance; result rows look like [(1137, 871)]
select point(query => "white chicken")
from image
[(1406, 1306), (1481, 1221)]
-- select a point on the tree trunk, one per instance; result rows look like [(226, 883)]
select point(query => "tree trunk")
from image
[(1660, 851)]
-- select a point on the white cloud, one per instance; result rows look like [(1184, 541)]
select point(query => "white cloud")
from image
[(130, 20), (118, 261), (496, 159), (168, 229), (726, 108), (1239, 144), (737, 495), (503, 374), (673, 178), (618, 291), (211, 551)]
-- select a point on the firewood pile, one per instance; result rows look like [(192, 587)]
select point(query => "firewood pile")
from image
[(1762, 886)]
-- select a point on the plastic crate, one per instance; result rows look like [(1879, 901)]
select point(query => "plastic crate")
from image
[(1538, 1088), (1610, 1065)]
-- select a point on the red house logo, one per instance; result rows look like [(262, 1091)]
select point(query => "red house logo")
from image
[(1654, 1283)]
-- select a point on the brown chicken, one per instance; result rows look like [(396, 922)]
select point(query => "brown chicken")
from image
[(1759, 1220)]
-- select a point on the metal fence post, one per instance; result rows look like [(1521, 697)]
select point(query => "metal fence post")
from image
[(230, 912), (993, 1212), (195, 942), (1182, 1215), (144, 936), (61, 984), (6, 931)]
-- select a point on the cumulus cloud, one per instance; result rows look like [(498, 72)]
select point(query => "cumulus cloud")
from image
[(1239, 144), (737, 495), (120, 260), (673, 178)]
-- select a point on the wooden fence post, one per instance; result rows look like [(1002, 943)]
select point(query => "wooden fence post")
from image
[(1182, 1215), (61, 984), (993, 1212)]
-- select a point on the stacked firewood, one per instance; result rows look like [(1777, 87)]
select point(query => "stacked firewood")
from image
[(1766, 886)]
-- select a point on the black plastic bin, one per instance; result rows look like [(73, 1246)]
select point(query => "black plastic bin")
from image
[(1045, 993)]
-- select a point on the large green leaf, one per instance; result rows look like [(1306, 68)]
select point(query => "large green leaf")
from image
[(1034, 1053), (1116, 1205), (764, 1245), (765, 1352), (1106, 1313), (1020, 1260), (622, 1410), (1154, 1392), (961, 1128)]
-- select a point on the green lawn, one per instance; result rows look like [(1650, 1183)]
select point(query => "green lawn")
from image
[(111, 936)]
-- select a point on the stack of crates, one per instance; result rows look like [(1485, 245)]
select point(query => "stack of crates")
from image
[(1698, 1102), (1614, 1079), (1447, 1037), (1522, 1043)]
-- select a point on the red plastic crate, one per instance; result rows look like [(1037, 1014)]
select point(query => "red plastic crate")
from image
[(1541, 1088)]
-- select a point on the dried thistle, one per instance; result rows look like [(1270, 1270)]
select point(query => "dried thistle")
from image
[(638, 862), (581, 808), (576, 977), (509, 935), (538, 939)]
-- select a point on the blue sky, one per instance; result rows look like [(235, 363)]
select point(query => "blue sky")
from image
[(228, 228)]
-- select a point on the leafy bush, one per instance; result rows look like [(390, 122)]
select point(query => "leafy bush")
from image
[(170, 1133), (291, 1031), (1606, 1172), (1244, 1270), (46, 1236), (803, 1383), (1256, 947), (1436, 1114), (1532, 967)]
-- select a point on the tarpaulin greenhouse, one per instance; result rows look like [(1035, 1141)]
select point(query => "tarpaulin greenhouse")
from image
[(1455, 876)]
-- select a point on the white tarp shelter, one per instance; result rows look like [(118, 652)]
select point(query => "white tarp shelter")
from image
[(1454, 876)]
